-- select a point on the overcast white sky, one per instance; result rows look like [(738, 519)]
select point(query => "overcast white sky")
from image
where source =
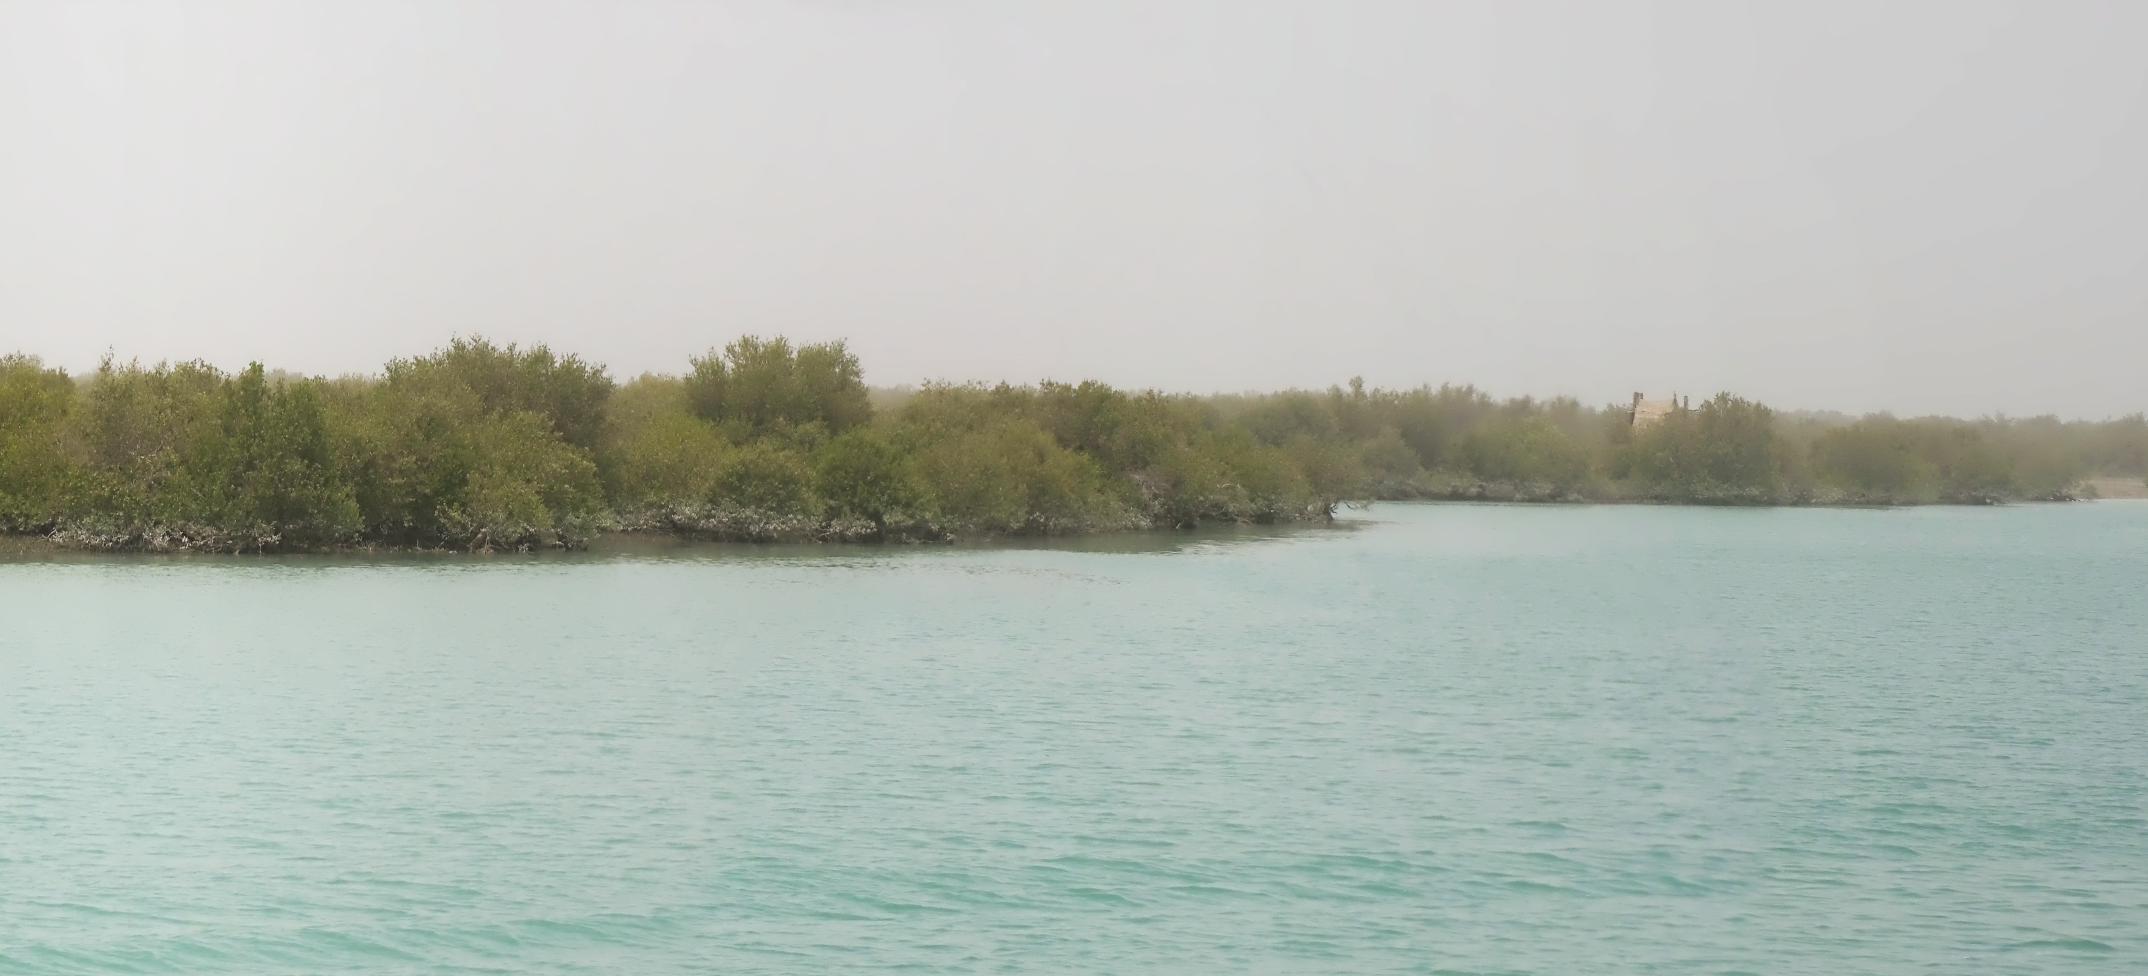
[(1916, 206)]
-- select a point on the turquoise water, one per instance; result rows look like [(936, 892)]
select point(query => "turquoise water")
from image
[(1445, 738)]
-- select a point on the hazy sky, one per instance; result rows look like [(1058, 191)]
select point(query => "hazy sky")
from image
[(1918, 206)]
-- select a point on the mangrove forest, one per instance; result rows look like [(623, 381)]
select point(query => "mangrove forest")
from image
[(481, 446)]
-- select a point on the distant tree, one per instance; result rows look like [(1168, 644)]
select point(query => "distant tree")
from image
[(568, 392), (137, 427), (478, 446), (1875, 459), (37, 477), (2117, 446), (1524, 449), (269, 463), (765, 383), (1010, 476), (1278, 419), (1726, 450)]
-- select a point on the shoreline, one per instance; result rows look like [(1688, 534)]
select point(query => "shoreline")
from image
[(647, 535), (2114, 488)]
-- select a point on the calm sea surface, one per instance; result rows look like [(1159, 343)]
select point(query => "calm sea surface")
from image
[(1443, 738)]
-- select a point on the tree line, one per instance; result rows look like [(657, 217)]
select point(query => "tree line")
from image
[(487, 446)]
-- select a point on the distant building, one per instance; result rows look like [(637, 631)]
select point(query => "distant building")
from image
[(1646, 412)]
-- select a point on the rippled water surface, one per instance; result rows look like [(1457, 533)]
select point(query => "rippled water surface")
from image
[(1441, 739)]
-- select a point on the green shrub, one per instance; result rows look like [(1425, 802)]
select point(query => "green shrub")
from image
[(2043, 456), (1332, 469), (1225, 475), (1726, 450), (137, 426), (1284, 417), (768, 477), (524, 486), (434, 464), (763, 383), (1874, 459), (37, 477), (1013, 476), (1388, 458), (269, 465), (568, 393), (1524, 450), (1970, 467), (669, 458), (862, 474)]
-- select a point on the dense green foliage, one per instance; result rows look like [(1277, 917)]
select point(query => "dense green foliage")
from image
[(762, 385), (481, 446), (39, 475)]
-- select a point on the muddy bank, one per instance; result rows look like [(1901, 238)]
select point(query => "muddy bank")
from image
[(2116, 488)]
